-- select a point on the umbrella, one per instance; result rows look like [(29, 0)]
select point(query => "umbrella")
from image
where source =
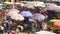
[(13, 16), (12, 13), (54, 7), (17, 3), (17, 17), (45, 32), (32, 20), (1, 6), (26, 13), (21, 4), (31, 7), (57, 24), (7, 2), (51, 6), (38, 16), (57, 8), (40, 4), (54, 20), (36, 3), (14, 10)]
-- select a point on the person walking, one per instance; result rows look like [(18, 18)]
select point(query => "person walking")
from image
[(7, 26), (1, 29)]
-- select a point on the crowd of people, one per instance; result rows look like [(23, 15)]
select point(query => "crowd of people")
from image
[(22, 20)]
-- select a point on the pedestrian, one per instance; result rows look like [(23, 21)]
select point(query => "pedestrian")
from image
[(39, 18), (26, 14), (51, 14), (1, 29), (13, 31), (7, 26)]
